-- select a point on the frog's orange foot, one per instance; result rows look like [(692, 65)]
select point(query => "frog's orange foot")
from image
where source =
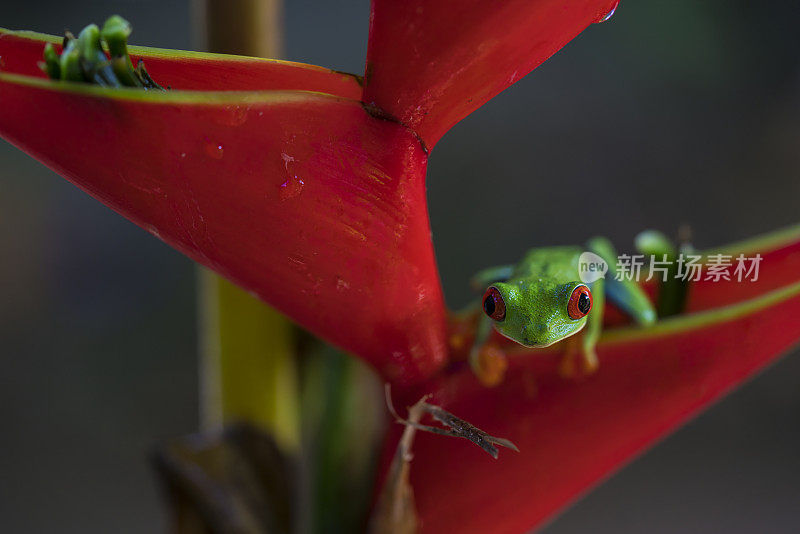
[(491, 364), (576, 356), (568, 367), (589, 361)]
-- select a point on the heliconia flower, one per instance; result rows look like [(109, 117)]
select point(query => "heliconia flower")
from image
[(279, 177), (306, 186)]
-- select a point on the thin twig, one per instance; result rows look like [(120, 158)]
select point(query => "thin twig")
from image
[(457, 427)]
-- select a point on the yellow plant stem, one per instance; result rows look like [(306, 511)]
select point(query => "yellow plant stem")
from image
[(248, 370)]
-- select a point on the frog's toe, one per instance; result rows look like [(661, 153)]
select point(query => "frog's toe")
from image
[(589, 361), (491, 365), (647, 317), (567, 367)]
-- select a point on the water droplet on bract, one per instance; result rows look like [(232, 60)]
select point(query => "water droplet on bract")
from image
[(213, 150), (237, 115), (607, 16), (292, 187), (341, 284)]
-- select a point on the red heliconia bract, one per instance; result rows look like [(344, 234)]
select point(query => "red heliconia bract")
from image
[(308, 189)]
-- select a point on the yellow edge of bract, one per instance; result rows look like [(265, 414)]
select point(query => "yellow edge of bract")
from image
[(146, 51), (694, 321), (762, 243), (176, 96)]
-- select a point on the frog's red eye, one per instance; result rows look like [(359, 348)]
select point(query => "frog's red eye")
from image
[(580, 302), (493, 304)]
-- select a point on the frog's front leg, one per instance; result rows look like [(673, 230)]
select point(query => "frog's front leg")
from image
[(487, 360), (580, 348)]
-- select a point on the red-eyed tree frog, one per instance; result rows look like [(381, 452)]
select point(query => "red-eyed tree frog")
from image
[(542, 300)]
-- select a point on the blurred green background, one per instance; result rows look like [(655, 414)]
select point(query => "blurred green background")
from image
[(676, 112)]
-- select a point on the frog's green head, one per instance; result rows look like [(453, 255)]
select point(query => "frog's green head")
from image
[(537, 314)]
